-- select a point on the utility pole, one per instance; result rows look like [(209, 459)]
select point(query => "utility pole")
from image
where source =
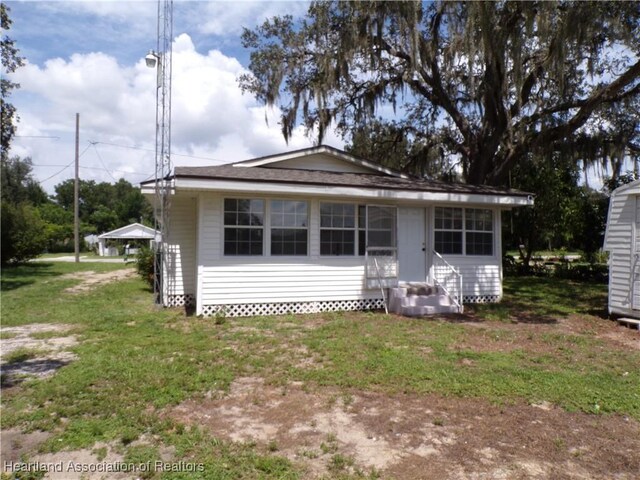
[(76, 194)]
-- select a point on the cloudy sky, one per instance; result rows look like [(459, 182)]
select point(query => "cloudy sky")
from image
[(87, 57)]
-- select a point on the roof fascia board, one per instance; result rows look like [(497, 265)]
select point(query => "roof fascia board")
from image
[(627, 186), (259, 162), (144, 228), (332, 191)]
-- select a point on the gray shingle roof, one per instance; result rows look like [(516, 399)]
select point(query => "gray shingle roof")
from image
[(314, 177)]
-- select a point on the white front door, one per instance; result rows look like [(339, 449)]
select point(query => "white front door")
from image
[(412, 260)]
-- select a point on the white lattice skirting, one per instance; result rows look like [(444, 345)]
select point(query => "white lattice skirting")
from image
[(480, 298), (186, 300), (256, 309)]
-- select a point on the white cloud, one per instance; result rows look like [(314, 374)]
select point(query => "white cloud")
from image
[(223, 20), (47, 29), (211, 118)]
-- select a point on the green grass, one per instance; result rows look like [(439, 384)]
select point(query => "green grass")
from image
[(544, 300), (135, 360), (34, 293)]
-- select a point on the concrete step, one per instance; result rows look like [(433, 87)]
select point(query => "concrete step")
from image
[(629, 322), (416, 288), (420, 311), (425, 301), (419, 299)]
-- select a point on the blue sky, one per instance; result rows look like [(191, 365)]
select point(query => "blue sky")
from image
[(88, 57)]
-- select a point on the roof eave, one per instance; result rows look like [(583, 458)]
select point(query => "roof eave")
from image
[(233, 185)]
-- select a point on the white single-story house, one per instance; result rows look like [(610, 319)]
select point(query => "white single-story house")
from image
[(318, 230), (134, 231), (622, 241)]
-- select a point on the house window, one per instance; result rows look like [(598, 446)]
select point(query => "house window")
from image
[(243, 226), (448, 230), (478, 231), (289, 227), (337, 229), (381, 226)]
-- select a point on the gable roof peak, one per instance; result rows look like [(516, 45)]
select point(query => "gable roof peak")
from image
[(319, 149)]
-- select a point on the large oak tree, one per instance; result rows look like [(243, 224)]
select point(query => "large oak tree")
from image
[(486, 83)]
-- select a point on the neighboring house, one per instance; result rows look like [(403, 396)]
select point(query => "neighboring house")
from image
[(91, 240), (122, 235), (318, 230), (622, 241)]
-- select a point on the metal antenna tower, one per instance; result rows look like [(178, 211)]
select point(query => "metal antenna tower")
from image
[(163, 64)]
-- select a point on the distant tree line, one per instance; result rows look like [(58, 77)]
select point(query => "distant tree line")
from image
[(34, 222)]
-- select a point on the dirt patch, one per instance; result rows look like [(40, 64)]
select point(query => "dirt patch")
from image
[(102, 461), (509, 336), (411, 436), (26, 355), (90, 279), (15, 443), (85, 464), (623, 336)]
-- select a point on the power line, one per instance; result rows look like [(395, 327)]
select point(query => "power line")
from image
[(57, 173), (100, 158), (151, 150), (36, 136), (67, 166), (93, 168)]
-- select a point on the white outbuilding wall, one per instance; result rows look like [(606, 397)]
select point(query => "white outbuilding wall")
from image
[(622, 241)]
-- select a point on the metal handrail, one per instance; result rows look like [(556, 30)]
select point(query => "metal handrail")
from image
[(457, 299)]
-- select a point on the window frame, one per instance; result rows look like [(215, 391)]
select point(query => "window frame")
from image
[(354, 229), (237, 226), (449, 230), (464, 231), (479, 231), (271, 227), (266, 226)]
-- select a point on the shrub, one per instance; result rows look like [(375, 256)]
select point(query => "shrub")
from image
[(514, 268), (144, 265), (584, 272), (23, 233)]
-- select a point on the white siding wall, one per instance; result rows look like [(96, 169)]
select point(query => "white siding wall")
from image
[(481, 275), (619, 242), (264, 279), (181, 247), (304, 280)]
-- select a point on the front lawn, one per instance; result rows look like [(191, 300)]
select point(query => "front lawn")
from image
[(137, 366)]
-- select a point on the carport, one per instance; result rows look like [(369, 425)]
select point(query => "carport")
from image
[(134, 231)]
